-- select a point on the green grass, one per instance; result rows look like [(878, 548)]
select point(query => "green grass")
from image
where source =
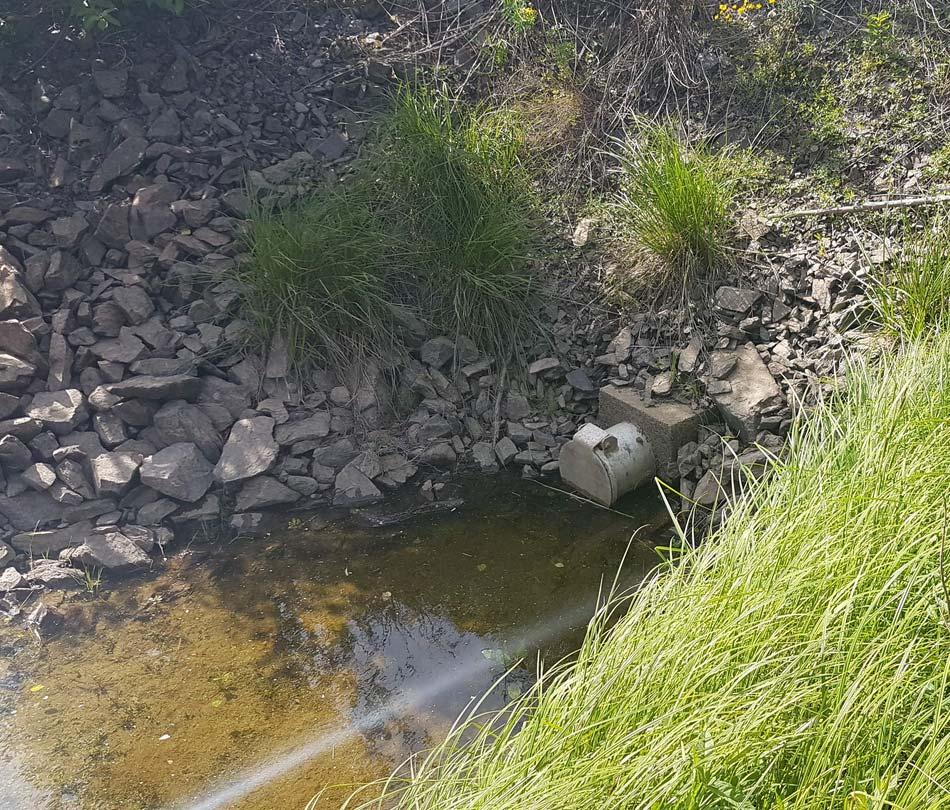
[(799, 660), (913, 297), (319, 275), (439, 222), (470, 215), (676, 202)]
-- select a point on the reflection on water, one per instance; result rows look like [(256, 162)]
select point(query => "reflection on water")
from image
[(255, 674)]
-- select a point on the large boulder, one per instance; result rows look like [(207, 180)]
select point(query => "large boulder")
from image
[(180, 471), (750, 389), (113, 473), (249, 451), (16, 301)]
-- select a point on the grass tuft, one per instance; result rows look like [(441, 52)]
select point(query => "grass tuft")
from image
[(317, 275), (438, 223), (676, 202), (470, 213), (798, 661), (914, 297)]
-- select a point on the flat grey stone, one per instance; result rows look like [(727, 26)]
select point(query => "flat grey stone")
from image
[(30, 510), (174, 386), (262, 492), (42, 543), (122, 160), (313, 427), (111, 550)]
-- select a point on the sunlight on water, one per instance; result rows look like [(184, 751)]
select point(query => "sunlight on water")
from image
[(253, 675)]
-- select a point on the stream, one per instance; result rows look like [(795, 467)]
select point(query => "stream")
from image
[(258, 672)]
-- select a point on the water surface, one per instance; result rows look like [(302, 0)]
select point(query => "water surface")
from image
[(351, 646)]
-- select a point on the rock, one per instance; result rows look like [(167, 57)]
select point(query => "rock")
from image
[(59, 411), (19, 341), (172, 386), (111, 550), (40, 476), (395, 470), (517, 407), (250, 450), (662, 384), (167, 127), (12, 169), (53, 574), (42, 543), (121, 161), (24, 428), (505, 451), (261, 492), (709, 491), (336, 455), (753, 389), (247, 522), (15, 374), (14, 455), (733, 299), (110, 429), (544, 365), (60, 363), (721, 364), (437, 352), (113, 473), (180, 471), (207, 511), (303, 484), (485, 457), (352, 487), (68, 231), (45, 621), (10, 579), (30, 510), (689, 357), (179, 421), (16, 301), (580, 380), (152, 514), (135, 303), (111, 83), (232, 397), (313, 427), (124, 349), (439, 455)]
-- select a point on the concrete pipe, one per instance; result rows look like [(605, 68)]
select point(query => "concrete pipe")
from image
[(606, 464)]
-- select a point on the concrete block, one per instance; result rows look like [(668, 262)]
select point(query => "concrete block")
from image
[(666, 425)]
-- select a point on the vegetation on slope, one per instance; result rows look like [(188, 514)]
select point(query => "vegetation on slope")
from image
[(799, 659), (437, 227)]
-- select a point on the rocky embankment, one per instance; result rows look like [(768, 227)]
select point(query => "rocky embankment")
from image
[(129, 408)]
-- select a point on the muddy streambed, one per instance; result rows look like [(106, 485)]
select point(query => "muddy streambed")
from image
[(333, 648)]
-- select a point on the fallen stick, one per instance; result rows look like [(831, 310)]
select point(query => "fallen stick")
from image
[(877, 205)]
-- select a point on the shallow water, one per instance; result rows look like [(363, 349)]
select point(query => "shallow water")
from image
[(255, 673)]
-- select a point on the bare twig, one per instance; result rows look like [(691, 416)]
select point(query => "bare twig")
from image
[(874, 205)]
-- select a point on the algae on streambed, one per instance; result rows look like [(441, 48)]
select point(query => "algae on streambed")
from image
[(167, 686)]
